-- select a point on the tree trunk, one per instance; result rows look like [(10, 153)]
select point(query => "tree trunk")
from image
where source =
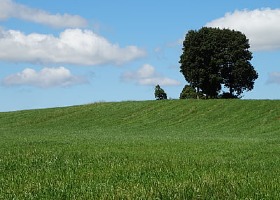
[(230, 90)]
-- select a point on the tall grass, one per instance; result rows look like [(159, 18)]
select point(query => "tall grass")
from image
[(216, 149)]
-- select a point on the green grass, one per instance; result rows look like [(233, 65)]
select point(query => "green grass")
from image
[(175, 149)]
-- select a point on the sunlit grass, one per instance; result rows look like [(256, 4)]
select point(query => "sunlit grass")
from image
[(216, 149)]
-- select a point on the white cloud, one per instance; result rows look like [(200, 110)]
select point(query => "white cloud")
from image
[(274, 77), (72, 46), (147, 75), (261, 26), (10, 9), (46, 78)]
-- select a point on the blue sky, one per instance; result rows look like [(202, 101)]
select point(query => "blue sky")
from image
[(68, 52)]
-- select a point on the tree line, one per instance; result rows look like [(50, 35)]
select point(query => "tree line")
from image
[(214, 59)]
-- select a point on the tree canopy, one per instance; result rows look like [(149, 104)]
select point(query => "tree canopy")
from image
[(213, 58), (188, 92), (160, 93)]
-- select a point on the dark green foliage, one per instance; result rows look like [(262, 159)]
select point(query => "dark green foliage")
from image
[(227, 95), (214, 57), (189, 92), (160, 93)]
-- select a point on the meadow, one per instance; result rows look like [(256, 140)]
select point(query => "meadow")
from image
[(171, 149)]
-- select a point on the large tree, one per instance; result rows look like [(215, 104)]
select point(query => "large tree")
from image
[(213, 58)]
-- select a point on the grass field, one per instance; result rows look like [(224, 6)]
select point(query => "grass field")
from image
[(175, 149)]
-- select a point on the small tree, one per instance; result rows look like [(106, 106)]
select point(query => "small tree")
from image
[(188, 92), (159, 93)]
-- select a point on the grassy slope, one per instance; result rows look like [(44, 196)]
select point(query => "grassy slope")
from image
[(167, 149)]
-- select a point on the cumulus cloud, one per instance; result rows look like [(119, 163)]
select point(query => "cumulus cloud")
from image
[(274, 77), (261, 26), (147, 75), (10, 9), (72, 46), (45, 78)]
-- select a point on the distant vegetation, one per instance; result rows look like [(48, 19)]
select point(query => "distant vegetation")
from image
[(216, 149), (160, 93)]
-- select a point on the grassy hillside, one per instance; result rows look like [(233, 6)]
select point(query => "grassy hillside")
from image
[(214, 149)]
